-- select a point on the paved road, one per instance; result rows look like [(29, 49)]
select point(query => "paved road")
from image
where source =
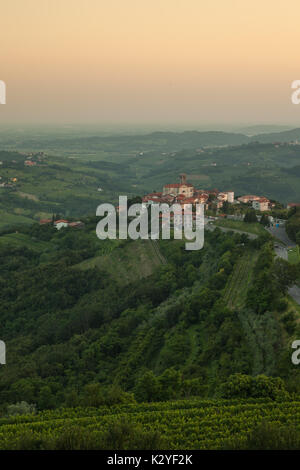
[(280, 233), (212, 227), (294, 292), (281, 252)]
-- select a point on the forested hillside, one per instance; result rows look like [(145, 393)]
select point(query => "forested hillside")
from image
[(79, 331)]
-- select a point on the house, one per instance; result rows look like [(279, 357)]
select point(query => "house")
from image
[(188, 200), (61, 224), (157, 198), (151, 197), (293, 204), (230, 196), (222, 197), (262, 204), (202, 197), (248, 198), (29, 163), (168, 198)]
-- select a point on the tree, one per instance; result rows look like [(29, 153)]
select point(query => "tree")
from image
[(250, 216), (147, 387), (269, 387), (293, 223), (170, 382), (226, 207), (261, 386), (264, 220), (237, 385), (93, 395), (46, 400), (284, 274)]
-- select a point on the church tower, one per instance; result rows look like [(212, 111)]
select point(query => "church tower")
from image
[(183, 178)]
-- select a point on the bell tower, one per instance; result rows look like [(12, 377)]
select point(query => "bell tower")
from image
[(183, 178)]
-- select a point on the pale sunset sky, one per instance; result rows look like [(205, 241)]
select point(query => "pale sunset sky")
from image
[(149, 61)]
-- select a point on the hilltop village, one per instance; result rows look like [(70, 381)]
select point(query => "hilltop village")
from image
[(185, 193)]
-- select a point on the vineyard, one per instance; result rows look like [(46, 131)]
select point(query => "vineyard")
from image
[(185, 424), (236, 288)]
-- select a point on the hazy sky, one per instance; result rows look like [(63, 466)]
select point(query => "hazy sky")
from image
[(147, 61)]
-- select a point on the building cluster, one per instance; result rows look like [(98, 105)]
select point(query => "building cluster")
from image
[(29, 163), (293, 204), (9, 183), (33, 158), (61, 223), (185, 193), (258, 203)]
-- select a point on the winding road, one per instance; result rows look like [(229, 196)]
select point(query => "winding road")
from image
[(210, 226)]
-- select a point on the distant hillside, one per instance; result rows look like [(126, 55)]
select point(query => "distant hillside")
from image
[(263, 129), (192, 139), (163, 141), (285, 136)]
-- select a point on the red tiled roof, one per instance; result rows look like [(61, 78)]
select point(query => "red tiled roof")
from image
[(263, 199), (75, 224), (154, 199), (153, 194), (61, 221), (45, 221), (177, 185), (190, 200), (249, 196)]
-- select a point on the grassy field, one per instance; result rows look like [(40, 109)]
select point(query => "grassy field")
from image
[(294, 255), (254, 228)]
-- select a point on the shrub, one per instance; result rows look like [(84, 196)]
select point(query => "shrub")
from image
[(267, 436), (21, 408), (246, 386), (123, 435)]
